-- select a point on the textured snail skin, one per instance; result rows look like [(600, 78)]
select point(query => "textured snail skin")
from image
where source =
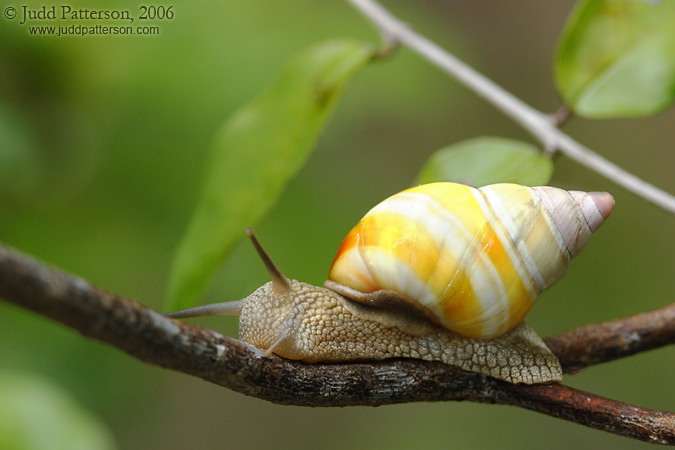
[(474, 259), (312, 324)]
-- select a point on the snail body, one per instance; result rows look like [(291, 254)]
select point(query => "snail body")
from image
[(314, 324), (439, 272)]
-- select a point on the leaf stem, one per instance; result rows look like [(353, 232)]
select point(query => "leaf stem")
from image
[(562, 115)]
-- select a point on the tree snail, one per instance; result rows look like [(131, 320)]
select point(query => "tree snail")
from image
[(440, 272)]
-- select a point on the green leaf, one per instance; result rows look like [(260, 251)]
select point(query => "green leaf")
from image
[(488, 160), (259, 149), (36, 414), (617, 58)]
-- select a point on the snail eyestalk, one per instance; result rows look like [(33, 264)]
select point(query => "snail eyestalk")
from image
[(280, 283)]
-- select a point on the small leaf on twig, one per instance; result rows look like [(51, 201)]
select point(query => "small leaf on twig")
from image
[(617, 59), (487, 160), (259, 149)]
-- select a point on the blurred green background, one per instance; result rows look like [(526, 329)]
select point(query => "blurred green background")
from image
[(103, 143)]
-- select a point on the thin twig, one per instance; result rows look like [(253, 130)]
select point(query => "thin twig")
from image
[(535, 122), (152, 338), (593, 344)]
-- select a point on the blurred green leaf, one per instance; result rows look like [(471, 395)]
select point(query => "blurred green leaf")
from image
[(487, 160), (617, 58), (259, 149), (35, 414)]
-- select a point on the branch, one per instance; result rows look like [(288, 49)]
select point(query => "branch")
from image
[(594, 344), (537, 123), (152, 338)]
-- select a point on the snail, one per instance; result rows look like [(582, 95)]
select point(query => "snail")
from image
[(441, 272)]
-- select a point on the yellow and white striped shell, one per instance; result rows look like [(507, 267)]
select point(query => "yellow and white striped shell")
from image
[(475, 259)]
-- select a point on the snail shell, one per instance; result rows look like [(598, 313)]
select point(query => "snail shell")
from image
[(471, 260)]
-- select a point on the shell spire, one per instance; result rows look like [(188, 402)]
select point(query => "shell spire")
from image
[(592, 204), (476, 259), (594, 207)]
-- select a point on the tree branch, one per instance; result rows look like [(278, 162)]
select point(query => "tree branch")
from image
[(594, 344), (152, 338), (537, 123)]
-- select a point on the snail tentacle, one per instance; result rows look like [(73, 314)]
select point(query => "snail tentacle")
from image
[(232, 308)]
